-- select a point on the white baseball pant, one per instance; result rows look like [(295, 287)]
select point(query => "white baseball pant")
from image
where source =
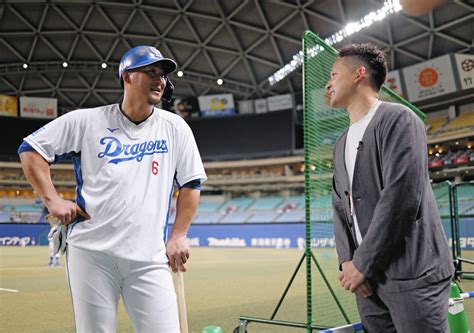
[(97, 280)]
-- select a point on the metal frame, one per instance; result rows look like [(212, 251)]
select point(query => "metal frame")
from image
[(309, 326)]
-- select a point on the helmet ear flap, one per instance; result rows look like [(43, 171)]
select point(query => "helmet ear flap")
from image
[(169, 89)]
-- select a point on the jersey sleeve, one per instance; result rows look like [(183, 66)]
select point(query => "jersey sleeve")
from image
[(189, 164), (59, 137)]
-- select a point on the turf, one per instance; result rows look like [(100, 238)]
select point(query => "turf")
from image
[(221, 285)]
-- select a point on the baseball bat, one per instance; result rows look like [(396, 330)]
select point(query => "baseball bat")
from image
[(183, 319)]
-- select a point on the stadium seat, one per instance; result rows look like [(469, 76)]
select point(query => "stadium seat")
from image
[(236, 204), (236, 217), (296, 201), (267, 203), (213, 217), (292, 216), (263, 216), (207, 207)]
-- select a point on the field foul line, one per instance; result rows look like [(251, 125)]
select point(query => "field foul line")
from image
[(9, 290), (236, 261), (191, 262), (24, 268)]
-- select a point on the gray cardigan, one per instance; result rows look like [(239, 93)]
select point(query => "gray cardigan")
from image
[(403, 239)]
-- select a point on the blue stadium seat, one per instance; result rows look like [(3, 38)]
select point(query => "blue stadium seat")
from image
[(4, 216), (264, 216), (267, 203), (205, 207), (213, 217), (297, 215), (237, 204), (296, 201), (236, 217), (6, 208), (28, 209)]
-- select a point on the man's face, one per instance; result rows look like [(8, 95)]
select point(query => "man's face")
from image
[(149, 82), (341, 85)]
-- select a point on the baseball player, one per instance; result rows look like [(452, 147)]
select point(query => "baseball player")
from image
[(127, 157)]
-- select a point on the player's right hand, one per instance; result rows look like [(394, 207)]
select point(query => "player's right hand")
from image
[(177, 251), (66, 211)]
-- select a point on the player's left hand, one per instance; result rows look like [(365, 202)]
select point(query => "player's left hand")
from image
[(177, 251), (350, 277)]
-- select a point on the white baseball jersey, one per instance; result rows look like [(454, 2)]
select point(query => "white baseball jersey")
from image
[(124, 175)]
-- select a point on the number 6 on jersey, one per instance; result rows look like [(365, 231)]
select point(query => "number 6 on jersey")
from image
[(154, 167)]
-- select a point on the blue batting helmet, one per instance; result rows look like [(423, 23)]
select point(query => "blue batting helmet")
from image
[(143, 55)]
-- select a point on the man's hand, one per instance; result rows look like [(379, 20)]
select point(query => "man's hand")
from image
[(65, 211), (177, 251), (364, 290), (351, 279)]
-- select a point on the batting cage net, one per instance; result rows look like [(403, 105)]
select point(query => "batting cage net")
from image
[(327, 304), (443, 196), (463, 212), (456, 208)]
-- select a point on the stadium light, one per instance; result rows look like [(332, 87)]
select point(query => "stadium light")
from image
[(389, 7), (220, 82), (180, 73), (104, 65), (25, 66), (65, 64)]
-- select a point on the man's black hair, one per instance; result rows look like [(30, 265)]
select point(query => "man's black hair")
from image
[(371, 57)]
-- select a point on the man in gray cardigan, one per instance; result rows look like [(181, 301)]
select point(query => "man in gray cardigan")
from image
[(391, 246)]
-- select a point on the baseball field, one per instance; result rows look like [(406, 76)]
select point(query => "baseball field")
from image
[(221, 284)]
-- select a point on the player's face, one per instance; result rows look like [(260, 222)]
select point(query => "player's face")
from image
[(150, 82), (341, 85)]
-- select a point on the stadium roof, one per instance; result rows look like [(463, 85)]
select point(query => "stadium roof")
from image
[(242, 42)]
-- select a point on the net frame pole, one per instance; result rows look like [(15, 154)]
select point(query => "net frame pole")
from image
[(333, 294), (456, 224), (454, 233), (288, 286), (307, 204)]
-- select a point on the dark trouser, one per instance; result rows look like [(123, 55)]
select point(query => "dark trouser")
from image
[(422, 310)]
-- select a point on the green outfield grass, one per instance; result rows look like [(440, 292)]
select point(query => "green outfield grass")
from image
[(221, 285)]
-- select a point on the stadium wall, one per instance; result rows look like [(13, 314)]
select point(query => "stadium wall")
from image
[(257, 235), (23, 234)]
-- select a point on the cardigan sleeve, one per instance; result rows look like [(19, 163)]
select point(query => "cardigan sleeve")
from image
[(341, 232)]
